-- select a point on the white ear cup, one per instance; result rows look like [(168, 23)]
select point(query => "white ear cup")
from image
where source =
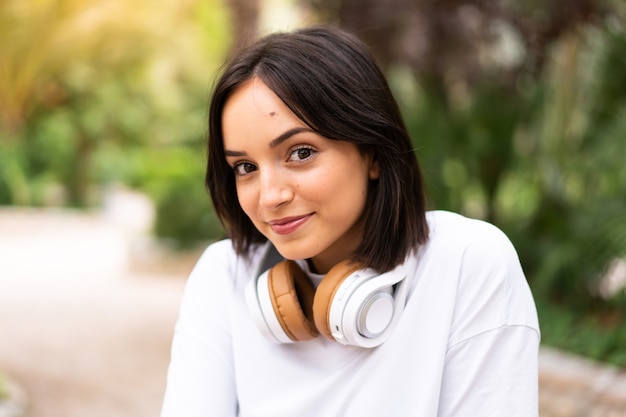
[(366, 311), (258, 298), (260, 306), (376, 314)]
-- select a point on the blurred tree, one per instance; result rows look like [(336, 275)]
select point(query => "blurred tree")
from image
[(435, 37), (580, 222), (80, 79), (40, 41), (60, 56), (245, 20)]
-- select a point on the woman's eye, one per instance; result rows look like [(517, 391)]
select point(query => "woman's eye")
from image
[(301, 154), (243, 168)]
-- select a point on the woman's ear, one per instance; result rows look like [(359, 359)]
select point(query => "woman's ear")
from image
[(374, 171)]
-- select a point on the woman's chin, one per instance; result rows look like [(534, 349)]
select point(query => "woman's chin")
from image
[(292, 252)]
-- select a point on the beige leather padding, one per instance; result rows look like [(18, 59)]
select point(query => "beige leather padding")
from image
[(326, 292), (292, 294)]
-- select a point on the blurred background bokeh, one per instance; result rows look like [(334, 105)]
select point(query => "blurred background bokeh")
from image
[(517, 110)]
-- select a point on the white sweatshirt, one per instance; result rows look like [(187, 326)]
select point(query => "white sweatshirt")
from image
[(466, 344)]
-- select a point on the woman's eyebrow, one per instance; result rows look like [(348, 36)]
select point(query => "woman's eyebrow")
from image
[(283, 137), (274, 142), (234, 153)]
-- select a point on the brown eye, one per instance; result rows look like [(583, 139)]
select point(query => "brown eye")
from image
[(302, 154), (243, 168)]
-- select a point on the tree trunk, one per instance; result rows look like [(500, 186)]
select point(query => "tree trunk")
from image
[(245, 21)]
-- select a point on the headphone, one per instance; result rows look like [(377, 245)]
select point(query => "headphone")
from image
[(352, 305)]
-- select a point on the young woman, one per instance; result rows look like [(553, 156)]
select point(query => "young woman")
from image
[(337, 294)]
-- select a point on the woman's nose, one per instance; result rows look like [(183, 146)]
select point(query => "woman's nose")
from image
[(274, 189)]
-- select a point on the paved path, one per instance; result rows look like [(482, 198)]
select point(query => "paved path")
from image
[(87, 333), (571, 386), (87, 310), (89, 350)]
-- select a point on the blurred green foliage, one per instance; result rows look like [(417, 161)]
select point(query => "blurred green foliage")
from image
[(104, 92), (546, 164)]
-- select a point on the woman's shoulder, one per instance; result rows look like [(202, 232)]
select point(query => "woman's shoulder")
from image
[(218, 252), (218, 248), (453, 228), (221, 255), (471, 242), (491, 288)]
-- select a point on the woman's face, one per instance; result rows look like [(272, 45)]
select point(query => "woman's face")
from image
[(304, 192)]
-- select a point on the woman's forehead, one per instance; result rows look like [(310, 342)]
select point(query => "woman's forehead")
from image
[(254, 110)]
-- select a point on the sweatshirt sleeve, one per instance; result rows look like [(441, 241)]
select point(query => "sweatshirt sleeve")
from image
[(200, 380), (491, 364)]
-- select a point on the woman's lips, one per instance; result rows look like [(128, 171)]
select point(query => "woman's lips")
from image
[(288, 225)]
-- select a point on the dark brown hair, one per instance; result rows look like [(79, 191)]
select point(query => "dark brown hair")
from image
[(329, 79)]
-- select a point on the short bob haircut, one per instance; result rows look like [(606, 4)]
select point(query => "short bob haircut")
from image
[(329, 80)]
